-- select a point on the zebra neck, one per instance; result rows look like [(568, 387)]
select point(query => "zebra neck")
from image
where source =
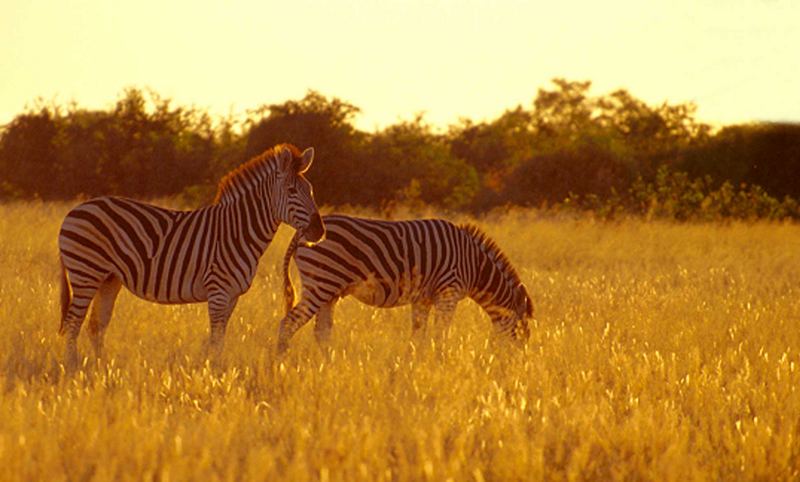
[(249, 222), (494, 303), (491, 288)]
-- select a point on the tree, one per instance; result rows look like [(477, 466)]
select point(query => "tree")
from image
[(143, 147), (157, 151), (585, 168), (409, 159), (765, 154), (494, 149), (648, 136), (326, 125), (28, 155), (565, 113)]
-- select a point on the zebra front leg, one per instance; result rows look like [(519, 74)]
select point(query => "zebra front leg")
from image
[(445, 304), (293, 321), (324, 324), (446, 308), (419, 317), (220, 307), (100, 314)]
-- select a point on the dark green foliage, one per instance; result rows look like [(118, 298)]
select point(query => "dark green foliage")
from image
[(410, 163), (764, 154), (28, 156), (676, 196), (130, 150), (404, 162), (337, 174), (612, 154), (585, 168)]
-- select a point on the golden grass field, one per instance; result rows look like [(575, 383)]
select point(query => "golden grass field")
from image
[(660, 352)]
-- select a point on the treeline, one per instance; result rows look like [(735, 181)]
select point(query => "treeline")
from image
[(612, 154)]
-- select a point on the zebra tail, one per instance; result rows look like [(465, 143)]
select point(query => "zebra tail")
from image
[(66, 296), (288, 289)]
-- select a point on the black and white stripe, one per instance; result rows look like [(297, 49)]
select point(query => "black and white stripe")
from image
[(426, 263), (168, 256)]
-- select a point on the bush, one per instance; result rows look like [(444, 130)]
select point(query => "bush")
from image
[(587, 169), (612, 154), (677, 196)]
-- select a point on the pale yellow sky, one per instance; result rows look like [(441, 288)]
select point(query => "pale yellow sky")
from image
[(738, 60)]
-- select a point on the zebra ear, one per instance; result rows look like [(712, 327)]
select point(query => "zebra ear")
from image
[(303, 163), (285, 158)]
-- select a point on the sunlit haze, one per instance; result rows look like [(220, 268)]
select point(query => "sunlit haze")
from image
[(736, 59)]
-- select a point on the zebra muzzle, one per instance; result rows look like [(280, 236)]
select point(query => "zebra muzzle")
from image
[(315, 231)]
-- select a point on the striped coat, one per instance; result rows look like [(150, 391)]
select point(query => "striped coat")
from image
[(166, 256), (426, 263)]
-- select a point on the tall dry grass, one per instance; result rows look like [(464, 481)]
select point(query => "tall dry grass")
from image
[(660, 351)]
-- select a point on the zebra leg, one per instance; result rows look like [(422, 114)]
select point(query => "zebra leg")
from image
[(71, 326), (419, 316), (100, 314), (220, 307), (324, 324), (445, 309), (293, 321)]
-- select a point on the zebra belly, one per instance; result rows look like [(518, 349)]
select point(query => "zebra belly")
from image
[(370, 292), (381, 293), (180, 289), (173, 300)]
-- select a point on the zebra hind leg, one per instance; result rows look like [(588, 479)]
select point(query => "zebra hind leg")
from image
[(324, 323), (293, 321), (74, 315), (100, 314)]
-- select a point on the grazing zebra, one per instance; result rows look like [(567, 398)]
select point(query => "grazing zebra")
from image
[(424, 263), (168, 256)]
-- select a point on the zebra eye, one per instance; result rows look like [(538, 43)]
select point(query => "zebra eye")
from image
[(291, 190)]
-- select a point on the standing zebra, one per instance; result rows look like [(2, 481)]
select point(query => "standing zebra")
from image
[(426, 263), (167, 256)]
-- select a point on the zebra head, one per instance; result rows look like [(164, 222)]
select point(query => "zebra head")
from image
[(514, 319), (296, 205)]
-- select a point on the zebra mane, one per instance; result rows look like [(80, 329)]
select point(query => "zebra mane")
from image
[(242, 177), (488, 246)]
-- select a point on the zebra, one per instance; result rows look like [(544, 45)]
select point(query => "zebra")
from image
[(167, 256), (425, 263)]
